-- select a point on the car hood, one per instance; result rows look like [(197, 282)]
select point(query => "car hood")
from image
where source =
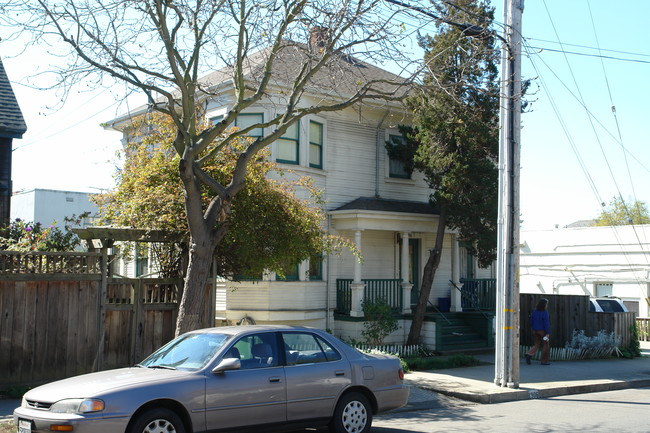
[(97, 384)]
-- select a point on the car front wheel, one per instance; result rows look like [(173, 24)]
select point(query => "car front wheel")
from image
[(158, 421), (352, 414)]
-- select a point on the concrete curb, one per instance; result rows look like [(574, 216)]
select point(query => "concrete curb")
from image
[(503, 396)]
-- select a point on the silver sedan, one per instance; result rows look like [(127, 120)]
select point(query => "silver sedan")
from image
[(220, 379)]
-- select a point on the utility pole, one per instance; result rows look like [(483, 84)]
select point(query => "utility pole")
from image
[(507, 308)]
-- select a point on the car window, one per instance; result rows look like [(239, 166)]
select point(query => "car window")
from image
[(307, 348), (255, 351), (610, 305), (187, 352)]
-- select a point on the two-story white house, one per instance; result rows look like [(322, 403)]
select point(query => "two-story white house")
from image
[(370, 199)]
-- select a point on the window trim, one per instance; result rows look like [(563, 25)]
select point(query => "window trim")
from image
[(251, 114), (319, 276), (295, 277), (319, 145), (296, 142), (391, 174)]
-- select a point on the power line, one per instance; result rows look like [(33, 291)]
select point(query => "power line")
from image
[(589, 48), (574, 53)]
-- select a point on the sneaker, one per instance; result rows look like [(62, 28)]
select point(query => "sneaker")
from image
[(528, 358)]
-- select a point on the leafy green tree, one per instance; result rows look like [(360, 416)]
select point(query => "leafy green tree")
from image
[(620, 213), (163, 48), (454, 137), (270, 225)]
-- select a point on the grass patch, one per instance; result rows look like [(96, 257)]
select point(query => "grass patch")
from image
[(8, 427), (441, 362)]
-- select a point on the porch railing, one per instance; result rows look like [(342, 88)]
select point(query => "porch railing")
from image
[(478, 294), (388, 289)]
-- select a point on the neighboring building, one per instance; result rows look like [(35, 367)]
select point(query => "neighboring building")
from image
[(593, 261), (371, 200), (47, 206), (12, 125)]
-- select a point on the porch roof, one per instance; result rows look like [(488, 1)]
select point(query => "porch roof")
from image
[(372, 213), (388, 205)]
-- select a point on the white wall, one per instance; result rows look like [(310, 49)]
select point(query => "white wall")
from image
[(575, 260), (47, 206)]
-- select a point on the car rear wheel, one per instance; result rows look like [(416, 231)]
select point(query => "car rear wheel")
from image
[(158, 421), (352, 414)]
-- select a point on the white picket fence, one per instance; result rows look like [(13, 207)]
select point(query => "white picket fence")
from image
[(569, 354), (395, 349)]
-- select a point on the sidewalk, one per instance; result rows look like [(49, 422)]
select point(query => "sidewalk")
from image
[(476, 384)]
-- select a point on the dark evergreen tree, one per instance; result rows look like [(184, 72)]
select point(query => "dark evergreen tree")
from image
[(455, 135)]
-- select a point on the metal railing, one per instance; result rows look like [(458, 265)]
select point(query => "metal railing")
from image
[(388, 289), (478, 294)]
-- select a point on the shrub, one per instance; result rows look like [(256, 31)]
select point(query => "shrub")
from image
[(602, 345), (439, 363), (26, 236), (379, 321)]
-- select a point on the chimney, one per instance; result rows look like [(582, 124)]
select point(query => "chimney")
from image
[(319, 37)]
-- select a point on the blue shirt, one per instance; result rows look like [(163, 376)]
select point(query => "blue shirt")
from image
[(539, 320)]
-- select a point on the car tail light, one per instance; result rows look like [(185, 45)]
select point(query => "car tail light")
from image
[(401, 374), (61, 427)]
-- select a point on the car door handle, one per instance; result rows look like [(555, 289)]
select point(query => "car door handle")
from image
[(274, 379), (339, 373)]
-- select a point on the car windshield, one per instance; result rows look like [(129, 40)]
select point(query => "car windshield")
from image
[(187, 352)]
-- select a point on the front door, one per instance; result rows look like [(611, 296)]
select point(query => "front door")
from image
[(414, 269)]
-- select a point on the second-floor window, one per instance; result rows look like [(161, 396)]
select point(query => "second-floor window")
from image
[(315, 144), (245, 120), (397, 168), (287, 145)]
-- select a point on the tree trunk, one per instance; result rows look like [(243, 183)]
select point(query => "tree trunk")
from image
[(192, 303), (427, 280)]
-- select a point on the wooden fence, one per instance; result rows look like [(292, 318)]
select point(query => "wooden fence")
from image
[(56, 325), (569, 313), (643, 327)]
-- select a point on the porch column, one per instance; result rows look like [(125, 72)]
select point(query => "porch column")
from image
[(406, 286), (456, 298), (357, 287)]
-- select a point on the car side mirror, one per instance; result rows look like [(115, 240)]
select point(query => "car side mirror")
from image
[(227, 364)]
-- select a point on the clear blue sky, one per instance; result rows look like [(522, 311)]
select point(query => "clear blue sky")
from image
[(566, 171)]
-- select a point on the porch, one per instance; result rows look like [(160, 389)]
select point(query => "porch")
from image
[(475, 295), (467, 328)]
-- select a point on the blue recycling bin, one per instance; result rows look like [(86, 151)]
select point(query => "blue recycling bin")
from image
[(444, 304)]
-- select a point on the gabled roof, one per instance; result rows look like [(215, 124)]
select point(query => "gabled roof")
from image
[(341, 77), (12, 123), (342, 74)]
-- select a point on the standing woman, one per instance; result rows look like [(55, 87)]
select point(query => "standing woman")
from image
[(541, 325)]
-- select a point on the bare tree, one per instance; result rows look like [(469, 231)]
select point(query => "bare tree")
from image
[(298, 57)]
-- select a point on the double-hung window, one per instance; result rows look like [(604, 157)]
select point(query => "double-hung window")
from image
[(316, 268), (397, 168), (290, 272), (315, 144), (287, 145), (245, 120)]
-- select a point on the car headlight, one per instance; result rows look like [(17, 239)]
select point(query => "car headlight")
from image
[(77, 405)]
